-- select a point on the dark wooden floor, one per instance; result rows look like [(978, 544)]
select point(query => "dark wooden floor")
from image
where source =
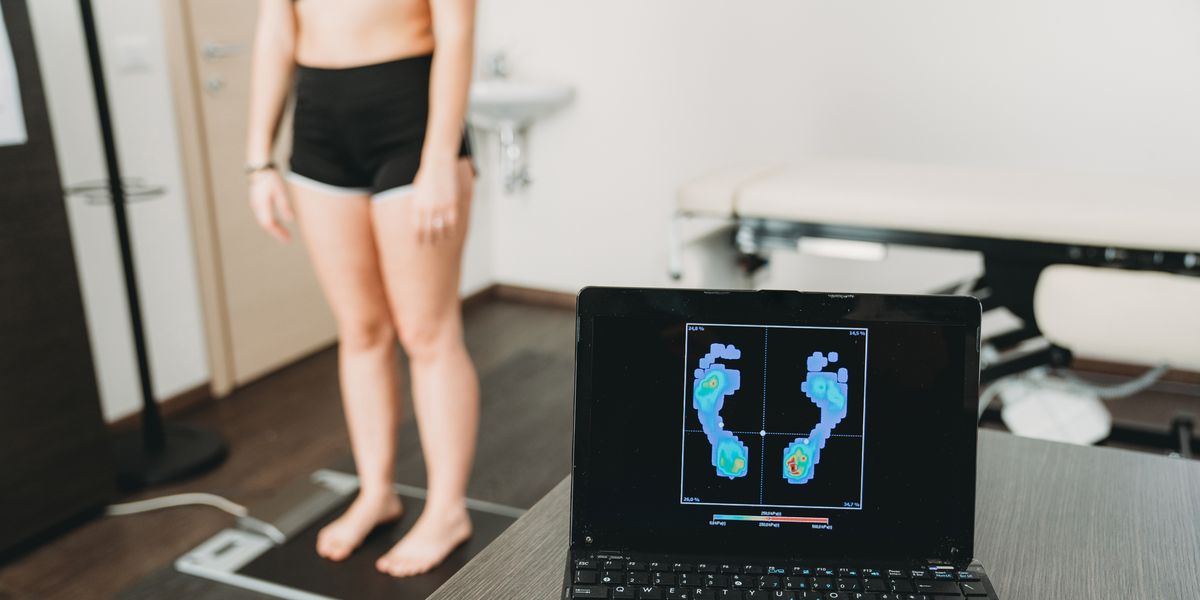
[(290, 423)]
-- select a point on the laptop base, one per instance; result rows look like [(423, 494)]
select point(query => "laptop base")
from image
[(674, 577)]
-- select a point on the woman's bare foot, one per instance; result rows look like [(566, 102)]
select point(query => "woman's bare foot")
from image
[(338, 539), (433, 537)]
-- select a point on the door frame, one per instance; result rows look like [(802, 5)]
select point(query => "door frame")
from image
[(185, 92)]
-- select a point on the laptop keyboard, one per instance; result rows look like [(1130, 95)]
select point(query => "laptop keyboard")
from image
[(650, 580)]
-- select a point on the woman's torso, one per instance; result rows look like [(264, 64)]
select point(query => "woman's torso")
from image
[(347, 33)]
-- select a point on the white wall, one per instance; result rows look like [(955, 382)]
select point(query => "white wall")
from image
[(148, 148), (1082, 85), (478, 267), (658, 101), (672, 88)]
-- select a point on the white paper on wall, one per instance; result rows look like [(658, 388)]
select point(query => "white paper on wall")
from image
[(12, 117)]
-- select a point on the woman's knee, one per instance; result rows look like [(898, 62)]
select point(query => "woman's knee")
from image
[(366, 334), (429, 337)]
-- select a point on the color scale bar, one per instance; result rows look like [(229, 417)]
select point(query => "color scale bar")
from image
[(818, 520)]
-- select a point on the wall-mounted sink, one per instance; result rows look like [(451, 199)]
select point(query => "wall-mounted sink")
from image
[(498, 102), (507, 107)]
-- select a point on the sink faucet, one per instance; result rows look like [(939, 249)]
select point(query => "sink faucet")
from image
[(497, 65)]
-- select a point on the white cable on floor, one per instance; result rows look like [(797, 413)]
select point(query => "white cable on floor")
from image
[(987, 395), (1071, 382), (191, 499), (1120, 390)]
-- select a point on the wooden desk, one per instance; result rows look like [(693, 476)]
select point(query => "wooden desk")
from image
[(1053, 521)]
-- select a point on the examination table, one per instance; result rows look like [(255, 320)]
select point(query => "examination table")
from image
[(1038, 233)]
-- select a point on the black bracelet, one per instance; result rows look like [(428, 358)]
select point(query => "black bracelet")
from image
[(252, 168)]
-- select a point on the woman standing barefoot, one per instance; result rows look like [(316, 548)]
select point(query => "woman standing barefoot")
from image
[(381, 183)]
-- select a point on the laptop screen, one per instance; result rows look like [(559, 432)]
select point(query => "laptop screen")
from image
[(776, 424)]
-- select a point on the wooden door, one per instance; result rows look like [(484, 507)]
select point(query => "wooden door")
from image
[(274, 311)]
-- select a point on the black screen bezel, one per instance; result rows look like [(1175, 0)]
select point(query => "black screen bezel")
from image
[(955, 547)]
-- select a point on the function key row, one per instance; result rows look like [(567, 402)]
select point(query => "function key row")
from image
[(613, 565)]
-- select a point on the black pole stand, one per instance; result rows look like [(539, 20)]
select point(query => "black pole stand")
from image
[(160, 452)]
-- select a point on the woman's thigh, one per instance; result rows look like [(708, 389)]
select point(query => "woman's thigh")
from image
[(337, 231), (422, 278)]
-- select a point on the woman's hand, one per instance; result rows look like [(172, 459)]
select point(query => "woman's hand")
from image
[(269, 200), (435, 201)]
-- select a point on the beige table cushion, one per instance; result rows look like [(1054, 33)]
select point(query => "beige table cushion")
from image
[(1128, 212), (715, 194), (1128, 316)]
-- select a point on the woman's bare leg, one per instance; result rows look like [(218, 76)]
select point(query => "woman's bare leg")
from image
[(337, 230), (422, 281)]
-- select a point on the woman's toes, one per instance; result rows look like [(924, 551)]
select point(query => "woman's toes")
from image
[(338, 539)]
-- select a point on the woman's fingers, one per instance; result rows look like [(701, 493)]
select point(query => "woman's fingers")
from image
[(421, 220), (438, 224), (443, 224), (269, 202), (266, 219), (433, 225), (283, 204)]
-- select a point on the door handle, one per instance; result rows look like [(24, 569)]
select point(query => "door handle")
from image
[(215, 50), (214, 84), (97, 192)]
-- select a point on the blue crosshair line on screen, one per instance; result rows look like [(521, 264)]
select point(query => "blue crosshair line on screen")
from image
[(713, 383), (828, 390)]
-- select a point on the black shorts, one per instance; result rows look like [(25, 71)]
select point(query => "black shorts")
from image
[(360, 130)]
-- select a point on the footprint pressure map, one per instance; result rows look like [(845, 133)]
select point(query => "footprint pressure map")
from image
[(773, 416)]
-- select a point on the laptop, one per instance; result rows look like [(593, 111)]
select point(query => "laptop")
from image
[(774, 444)]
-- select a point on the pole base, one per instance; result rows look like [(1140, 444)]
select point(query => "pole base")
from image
[(188, 451)]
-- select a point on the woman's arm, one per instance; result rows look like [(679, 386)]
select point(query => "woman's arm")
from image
[(270, 80), (454, 48), (449, 81), (271, 75)]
